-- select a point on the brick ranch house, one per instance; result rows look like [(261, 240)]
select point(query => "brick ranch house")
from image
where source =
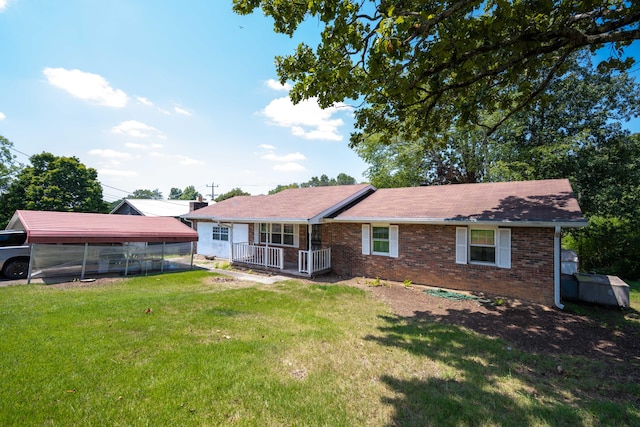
[(499, 238)]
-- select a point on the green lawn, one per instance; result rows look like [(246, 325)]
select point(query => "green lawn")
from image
[(192, 349)]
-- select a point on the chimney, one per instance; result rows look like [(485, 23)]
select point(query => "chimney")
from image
[(198, 204)]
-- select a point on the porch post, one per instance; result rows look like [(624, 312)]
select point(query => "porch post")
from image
[(309, 249)]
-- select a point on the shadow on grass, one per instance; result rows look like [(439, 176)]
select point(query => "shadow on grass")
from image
[(477, 380)]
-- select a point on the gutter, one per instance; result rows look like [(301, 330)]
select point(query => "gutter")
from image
[(556, 268), (459, 222)]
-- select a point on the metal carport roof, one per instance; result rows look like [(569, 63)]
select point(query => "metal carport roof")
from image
[(77, 227)]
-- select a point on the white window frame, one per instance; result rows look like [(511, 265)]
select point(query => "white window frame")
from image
[(367, 240), (265, 236), (494, 246), (502, 244), (217, 230)]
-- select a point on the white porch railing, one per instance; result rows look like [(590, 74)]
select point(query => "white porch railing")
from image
[(258, 255), (313, 261)]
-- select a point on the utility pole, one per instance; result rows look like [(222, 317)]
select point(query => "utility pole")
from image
[(213, 191)]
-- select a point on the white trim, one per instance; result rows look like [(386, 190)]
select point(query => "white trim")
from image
[(393, 241), (366, 239), (495, 245), (461, 245), (503, 248), (460, 223)]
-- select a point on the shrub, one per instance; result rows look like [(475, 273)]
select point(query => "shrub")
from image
[(609, 245)]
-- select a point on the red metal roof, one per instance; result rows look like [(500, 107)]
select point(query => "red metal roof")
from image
[(544, 201), (295, 205), (76, 227)]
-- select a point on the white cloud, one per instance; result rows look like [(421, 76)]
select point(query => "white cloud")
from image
[(275, 85), (289, 167), (266, 147), (110, 154), (181, 111), (136, 129), (144, 101), (188, 161), (286, 158), (86, 86), (3, 4), (2, 116), (306, 119), (117, 173), (143, 146)]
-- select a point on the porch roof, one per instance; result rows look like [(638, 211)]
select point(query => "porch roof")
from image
[(296, 205), (526, 203), (76, 227)]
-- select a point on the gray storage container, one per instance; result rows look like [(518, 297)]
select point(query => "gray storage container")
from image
[(603, 289)]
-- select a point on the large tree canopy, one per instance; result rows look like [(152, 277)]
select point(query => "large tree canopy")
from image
[(420, 66), (53, 183), (9, 167)]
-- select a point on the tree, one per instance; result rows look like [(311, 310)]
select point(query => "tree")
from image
[(281, 187), (8, 165), (53, 183), (175, 193), (189, 193), (577, 117), (418, 66), (234, 192), (146, 194), (452, 158), (344, 179), (323, 181)]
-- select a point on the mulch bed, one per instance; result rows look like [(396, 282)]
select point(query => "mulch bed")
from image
[(609, 334)]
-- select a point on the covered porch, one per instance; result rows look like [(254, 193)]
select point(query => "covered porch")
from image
[(309, 262)]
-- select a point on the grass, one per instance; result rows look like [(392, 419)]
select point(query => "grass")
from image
[(187, 349)]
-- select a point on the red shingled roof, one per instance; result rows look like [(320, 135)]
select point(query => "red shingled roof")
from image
[(293, 205), (76, 227), (545, 201)]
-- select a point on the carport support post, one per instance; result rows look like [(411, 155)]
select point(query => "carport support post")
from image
[(31, 250), (191, 255), (162, 263), (84, 260)]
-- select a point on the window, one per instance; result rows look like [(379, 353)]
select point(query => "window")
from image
[(484, 246), (220, 233), (278, 234), (380, 240)]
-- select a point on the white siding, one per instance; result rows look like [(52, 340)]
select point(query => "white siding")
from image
[(221, 249)]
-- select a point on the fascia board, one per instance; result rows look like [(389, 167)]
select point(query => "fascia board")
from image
[(445, 221), (247, 220)]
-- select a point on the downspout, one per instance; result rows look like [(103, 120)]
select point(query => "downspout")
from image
[(556, 268)]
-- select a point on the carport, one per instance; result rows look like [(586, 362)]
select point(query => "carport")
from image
[(77, 244)]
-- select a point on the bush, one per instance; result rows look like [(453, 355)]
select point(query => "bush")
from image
[(609, 245)]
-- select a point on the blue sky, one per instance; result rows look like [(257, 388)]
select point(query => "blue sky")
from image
[(162, 94)]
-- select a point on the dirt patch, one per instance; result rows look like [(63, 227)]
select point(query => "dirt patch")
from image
[(608, 334)]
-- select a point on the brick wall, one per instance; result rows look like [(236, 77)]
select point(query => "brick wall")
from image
[(427, 253)]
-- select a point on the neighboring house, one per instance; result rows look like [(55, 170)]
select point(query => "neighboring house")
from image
[(499, 238), (154, 207)]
